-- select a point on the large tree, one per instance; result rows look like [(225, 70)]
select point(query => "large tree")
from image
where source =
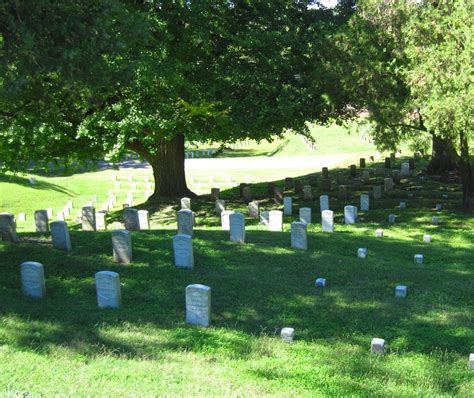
[(87, 79)]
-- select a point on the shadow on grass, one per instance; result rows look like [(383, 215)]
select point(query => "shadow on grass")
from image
[(24, 181)]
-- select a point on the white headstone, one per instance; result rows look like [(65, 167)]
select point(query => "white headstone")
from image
[(49, 212), (122, 246), (364, 202), (185, 222), (379, 233), (198, 305), (320, 282), (237, 227), (21, 217), (130, 219), (350, 214), (225, 223), (186, 203), (377, 346), (183, 251), (32, 279), (305, 215), (60, 235), (8, 227), (287, 205), (405, 170), (287, 334), (427, 238), (362, 252), (327, 220), (253, 210), (418, 258), (220, 206), (143, 219), (42, 221), (275, 220), (264, 217), (392, 218), (88, 218), (107, 284), (324, 202), (401, 291), (101, 221), (471, 362), (299, 235)]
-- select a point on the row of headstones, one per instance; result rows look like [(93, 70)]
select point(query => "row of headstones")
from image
[(130, 178), (134, 186), (197, 299), (200, 153)]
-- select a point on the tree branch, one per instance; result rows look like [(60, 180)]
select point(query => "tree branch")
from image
[(419, 128)]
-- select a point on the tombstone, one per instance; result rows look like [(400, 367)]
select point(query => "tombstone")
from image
[(107, 285), (298, 187), (362, 252), (220, 206), (445, 196), (143, 220), (350, 214), (387, 184), (32, 279), (320, 282), (342, 192), (253, 209), (365, 176), (324, 202), (405, 170), (8, 227), (275, 220), (312, 180), (49, 212), (418, 258), (379, 233), (299, 235), (327, 220), (435, 220), (411, 163), (288, 183), (364, 202), (215, 192), (41, 221), (380, 170), (388, 163), (241, 188), (186, 203), (32, 180), (88, 218), (325, 173), (225, 220), (377, 345), (353, 171), (305, 215), (247, 194), (130, 219), (198, 305), (122, 246), (439, 207), (392, 218), (396, 176), (60, 235), (287, 335), (362, 163), (265, 217), (471, 362), (287, 205), (377, 192), (326, 185), (401, 291), (100, 221), (307, 192), (185, 222), (183, 251), (278, 194), (237, 227), (427, 238)]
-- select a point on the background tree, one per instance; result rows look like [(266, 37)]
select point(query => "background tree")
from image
[(83, 80)]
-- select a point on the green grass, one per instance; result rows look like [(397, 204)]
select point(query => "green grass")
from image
[(63, 345)]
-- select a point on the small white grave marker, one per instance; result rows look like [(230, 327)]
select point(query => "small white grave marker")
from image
[(364, 202), (327, 221), (287, 335), (185, 204), (183, 251), (377, 346), (350, 214), (198, 305), (287, 205), (435, 220), (42, 221), (88, 218), (401, 291), (471, 361), (299, 235), (60, 235), (320, 282), (122, 246), (225, 222), (143, 220), (418, 258), (305, 215), (107, 284), (324, 202), (237, 227), (379, 233), (362, 252), (427, 238), (32, 279), (275, 220)]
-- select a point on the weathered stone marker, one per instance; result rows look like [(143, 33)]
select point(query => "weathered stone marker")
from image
[(88, 218), (362, 163), (379, 170), (298, 187), (387, 184), (8, 227), (186, 203), (185, 222), (379, 233), (264, 217), (325, 172), (100, 221), (353, 170), (323, 203), (418, 258), (130, 219), (305, 215), (327, 220), (275, 220), (377, 345), (362, 252), (253, 210), (122, 246), (220, 206), (377, 192), (392, 218), (403, 205), (32, 279), (237, 227), (365, 176), (427, 238), (183, 251), (364, 202), (215, 192), (299, 235), (60, 235), (471, 362), (41, 221), (320, 282), (107, 285), (287, 205), (435, 220), (307, 192), (143, 220), (225, 221), (287, 335), (350, 214), (278, 194), (247, 194), (289, 183), (405, 170), (401, 291), (342, 192), (198, 305)]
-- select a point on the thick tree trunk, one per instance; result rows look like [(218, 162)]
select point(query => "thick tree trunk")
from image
[(444, 157), (467, 175)]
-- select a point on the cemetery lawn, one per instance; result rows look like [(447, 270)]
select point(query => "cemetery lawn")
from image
[(63, 345)]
